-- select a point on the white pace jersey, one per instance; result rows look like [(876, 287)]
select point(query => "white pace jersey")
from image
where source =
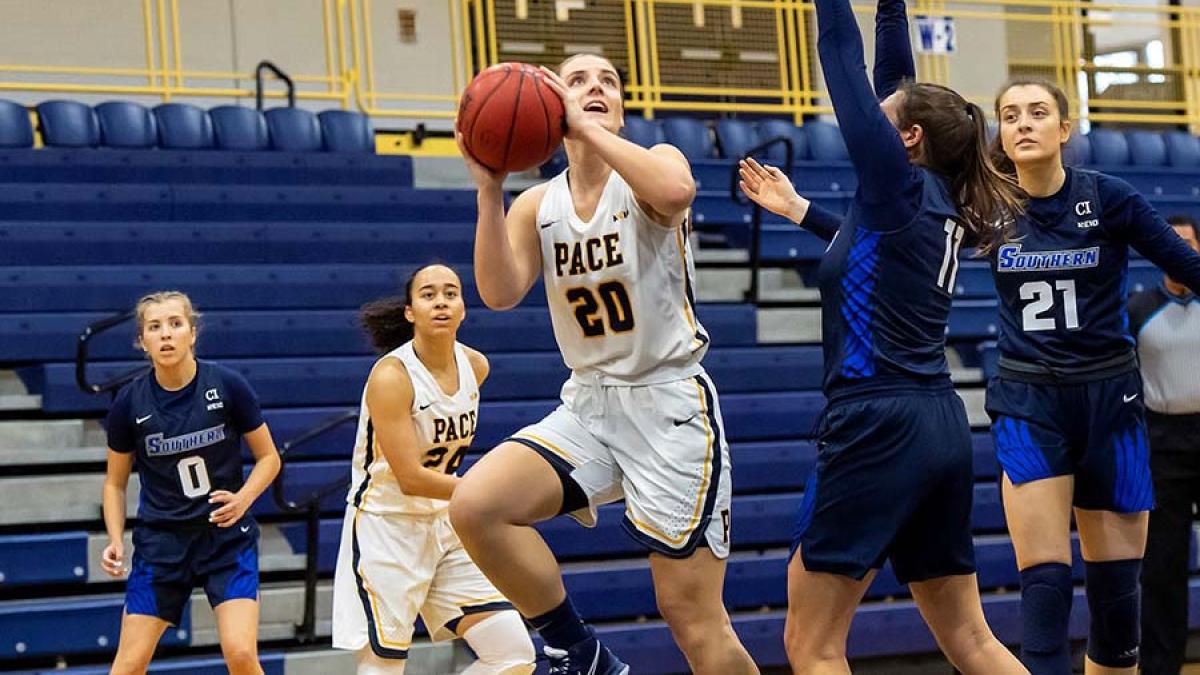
[(620, 288), (444, 425)]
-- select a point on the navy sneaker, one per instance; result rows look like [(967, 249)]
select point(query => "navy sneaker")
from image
[(588, 657)]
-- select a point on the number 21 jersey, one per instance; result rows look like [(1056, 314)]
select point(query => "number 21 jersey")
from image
[(620, 288), (444, 425)]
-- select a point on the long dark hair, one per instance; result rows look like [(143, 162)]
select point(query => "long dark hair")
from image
[(955, 145), (999, 157), (384, 320)]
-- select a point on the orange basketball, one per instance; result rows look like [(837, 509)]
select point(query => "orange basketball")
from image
[(510, 119)]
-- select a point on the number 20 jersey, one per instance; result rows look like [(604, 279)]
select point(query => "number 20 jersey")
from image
[(620, 287), (444, 427)]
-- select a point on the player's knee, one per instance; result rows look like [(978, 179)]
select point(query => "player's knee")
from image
[(241, 657), (501, 643), (1046, 594), (1114, 603), (124, 664), (962, 643), (806, 645), (470, 510)]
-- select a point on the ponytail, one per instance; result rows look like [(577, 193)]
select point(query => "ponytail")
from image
[(955, 146), (385, 323), (989, 200)]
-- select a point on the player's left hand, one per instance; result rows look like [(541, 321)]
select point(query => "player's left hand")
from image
[(576, 118), (234, 506)]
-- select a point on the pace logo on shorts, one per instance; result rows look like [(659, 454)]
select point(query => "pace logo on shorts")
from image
[(156, 445), (1011, 259)]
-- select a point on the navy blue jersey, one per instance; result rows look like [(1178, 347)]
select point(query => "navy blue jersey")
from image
[(886, 277), (1063, 280), (187, 442)]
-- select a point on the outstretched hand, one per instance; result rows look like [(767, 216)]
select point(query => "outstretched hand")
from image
[(771, 189)]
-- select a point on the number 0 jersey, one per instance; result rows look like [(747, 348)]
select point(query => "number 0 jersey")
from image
[(444, 426), (620, 288), (187, 442)]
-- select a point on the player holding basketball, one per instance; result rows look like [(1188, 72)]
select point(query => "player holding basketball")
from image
[(894, 475), (639, 418), (1067, 410), (399, 556), (181, 425)]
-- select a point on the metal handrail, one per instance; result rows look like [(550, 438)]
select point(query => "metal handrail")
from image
[(81, 357), (756, 213), (279, 74), (310, 506)]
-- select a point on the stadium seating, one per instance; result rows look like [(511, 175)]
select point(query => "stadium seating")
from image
[(735, 137), (126, 125), (347, 131), (294, 130), (775, 128), (183, 126), (1109, 148), (238, 128), (691, 136), (642, 131), (68, 124), (1146, 148), (16, 131), (1183, 149), (826, 143)]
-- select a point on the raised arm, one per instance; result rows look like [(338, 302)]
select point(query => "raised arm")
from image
[(660, 177), (507, 250), (893, 48), (875, 148)]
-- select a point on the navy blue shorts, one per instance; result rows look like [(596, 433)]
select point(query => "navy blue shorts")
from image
[(168, 562), (1094, 431), (894, 479)]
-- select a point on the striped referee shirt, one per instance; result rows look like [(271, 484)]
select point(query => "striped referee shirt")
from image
[(1167, 330)]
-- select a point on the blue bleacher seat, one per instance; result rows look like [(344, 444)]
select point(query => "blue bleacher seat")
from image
[(183, 126), (1146, 148), (1183, 149), (690, 135), (772, 128), (124, 124), (238, 128), (644, 132), (68, 124), (294, 130), (1078, 150), (1109, 148), (16, 131), (826, 142), (735, 138), (347, 131)]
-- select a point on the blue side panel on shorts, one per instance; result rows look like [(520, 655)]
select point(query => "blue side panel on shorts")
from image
[(805, 514), (1019, 455), (858, 308), (244, 582), (1132, 488), (139, 594)]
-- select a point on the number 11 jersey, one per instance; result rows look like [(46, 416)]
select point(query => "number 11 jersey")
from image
[(620, 288), (444, 425)]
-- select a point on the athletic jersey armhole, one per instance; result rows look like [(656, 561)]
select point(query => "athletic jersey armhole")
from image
[(117, 425)]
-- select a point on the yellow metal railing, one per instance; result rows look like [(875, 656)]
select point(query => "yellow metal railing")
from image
[(679, 55)]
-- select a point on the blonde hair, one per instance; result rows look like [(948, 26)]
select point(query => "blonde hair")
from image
[(157, 298)]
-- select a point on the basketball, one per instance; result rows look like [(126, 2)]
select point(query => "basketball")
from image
[(510, 119)]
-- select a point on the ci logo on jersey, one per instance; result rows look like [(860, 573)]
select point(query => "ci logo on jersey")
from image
[(620, 215), (214, 399), (1084, 208)]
